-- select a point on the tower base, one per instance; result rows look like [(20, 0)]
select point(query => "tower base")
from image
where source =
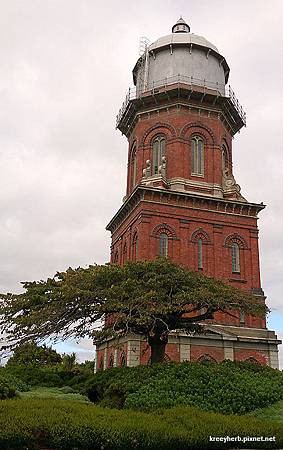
[(218, 343)]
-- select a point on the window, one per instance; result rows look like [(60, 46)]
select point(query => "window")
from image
[(134, 167), (235, 258), (206, 359), (158, 150), (123, 359), (116, 257), (163, 245), (101, 364), (111, 360), (197, 146), (252, 360), (225, 163), (125, 252), (200, 266), (242, 317), (135, 246)]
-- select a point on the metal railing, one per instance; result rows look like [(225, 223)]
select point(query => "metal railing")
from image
[(153, 86)]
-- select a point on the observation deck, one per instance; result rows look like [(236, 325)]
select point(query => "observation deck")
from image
[(187, 89)]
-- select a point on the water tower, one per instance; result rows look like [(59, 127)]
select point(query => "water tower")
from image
[(182, 200)]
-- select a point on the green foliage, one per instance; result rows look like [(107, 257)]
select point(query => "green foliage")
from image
[(36, 376), (31, 354), (147, 297), (14, 381), (65, 425), (23, 377), (273, 412), (7, 390), (64, 393), (230, 387), (68, 362)]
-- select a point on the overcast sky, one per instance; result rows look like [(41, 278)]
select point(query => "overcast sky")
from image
[(65, 68)]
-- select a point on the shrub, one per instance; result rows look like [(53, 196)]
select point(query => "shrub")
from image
[(49, 376), (16, 382), (230, 387), (36, 376), (6, 389), (64, 393), (65, 425)]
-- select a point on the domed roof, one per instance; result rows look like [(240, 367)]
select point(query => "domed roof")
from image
[(182, 38)]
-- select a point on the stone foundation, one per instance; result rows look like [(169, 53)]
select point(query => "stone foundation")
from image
[(218, 343)]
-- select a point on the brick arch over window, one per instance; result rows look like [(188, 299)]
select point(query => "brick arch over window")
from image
[(159, 128), (201, 234), (235, 238), (164, 228), (200, 129)]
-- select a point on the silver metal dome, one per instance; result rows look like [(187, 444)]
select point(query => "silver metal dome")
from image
[(181, 54)]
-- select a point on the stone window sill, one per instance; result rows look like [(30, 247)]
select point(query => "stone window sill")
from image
[(239, 280)]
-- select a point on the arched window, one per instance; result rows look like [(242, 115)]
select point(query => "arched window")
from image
[(101, 363), (197, 146), (163, 245), (116, 257), (225, 161), (135, 246), (111, 360), (125, 252), (134, 166), (206, 358), (235, 253), (252, 360), (200, 262), (201, 239), (123, 361), (158, 150)]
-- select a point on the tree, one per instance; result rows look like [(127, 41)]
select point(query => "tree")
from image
[(69, 361), (32, 354), (150, 298)]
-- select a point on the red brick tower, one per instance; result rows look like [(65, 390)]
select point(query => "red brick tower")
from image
[(182, 199)]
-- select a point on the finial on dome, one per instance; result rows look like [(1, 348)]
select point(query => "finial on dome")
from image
[(180, 26)]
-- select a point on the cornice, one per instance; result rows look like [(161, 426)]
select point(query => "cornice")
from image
[(182, 199)]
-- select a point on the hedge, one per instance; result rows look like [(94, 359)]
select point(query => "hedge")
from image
[(229, 387), (65, 425)]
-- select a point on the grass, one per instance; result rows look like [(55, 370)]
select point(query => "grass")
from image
[(64, 425), (64, 393), (273, 413)]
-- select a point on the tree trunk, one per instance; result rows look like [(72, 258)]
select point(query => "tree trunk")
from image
[(157, 345)]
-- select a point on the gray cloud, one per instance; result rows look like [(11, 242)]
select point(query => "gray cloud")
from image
[(65, 67)]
